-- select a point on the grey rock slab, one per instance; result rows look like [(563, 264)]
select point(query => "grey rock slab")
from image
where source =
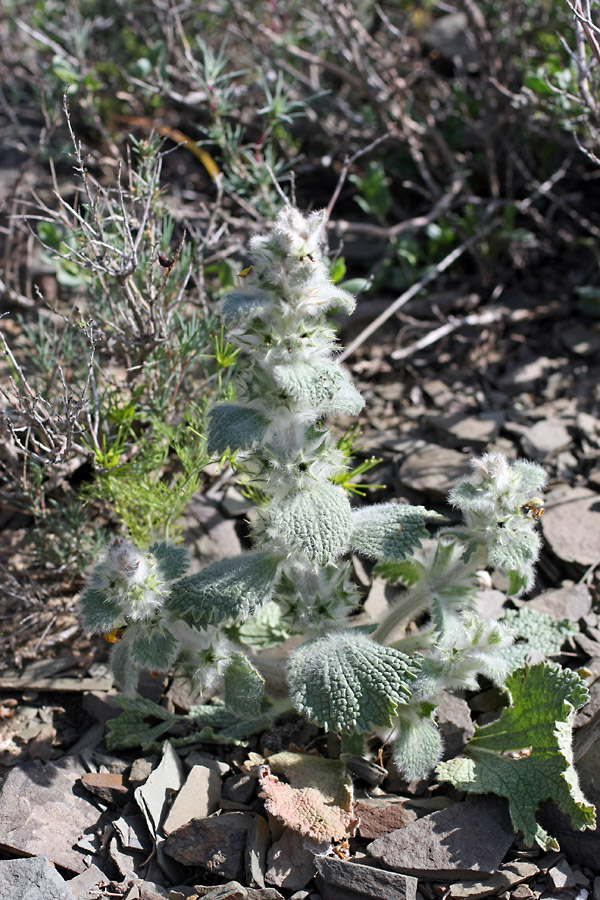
[(560, 877), (217, 844), (208, 534), (546, 439), (239, 788), (44, 811), (233, 890), (255, 854), (570, 600), (140, 770), (596, 889), (87, 881), (504, 879), (378, 817), (571, 524), (31, 879), (475, 432), (455, 723), (132, 832), (197, 799), (152, 797), (433, 470), (338, 880), (464, 841), (291, 860)]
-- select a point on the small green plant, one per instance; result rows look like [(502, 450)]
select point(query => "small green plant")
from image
[(296, 579)]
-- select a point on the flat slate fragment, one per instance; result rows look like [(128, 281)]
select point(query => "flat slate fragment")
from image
[(464, 841), (340, 880), (31, 879), (44, 811), (217, 844)]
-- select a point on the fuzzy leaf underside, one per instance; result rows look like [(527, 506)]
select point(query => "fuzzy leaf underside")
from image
[(538, 632), (525, 755), (315, 521), (418, 747), (232, 427), (243, 686), (345, 682), (302, 770), (305, 810), (229, 588), (388, 531), (172, 562), (237, 306)]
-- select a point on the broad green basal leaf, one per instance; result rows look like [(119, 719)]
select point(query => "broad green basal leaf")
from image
[(525, 755), (346, 682)]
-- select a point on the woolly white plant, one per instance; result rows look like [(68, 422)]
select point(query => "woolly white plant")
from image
[(348, 679)]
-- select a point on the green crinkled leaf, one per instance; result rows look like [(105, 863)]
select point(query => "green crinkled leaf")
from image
[(536, 631), (244, 686), (172, 562), (315, 521), (228, 588), (418, 746), (99, 613), (238, 305), (233, 427), (346, 682), (526, 755), (153, 648), (388, 531)]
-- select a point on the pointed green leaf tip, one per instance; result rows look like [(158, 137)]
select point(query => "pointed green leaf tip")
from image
[(232, 427), (525, 755), (388, 531), (228, 588), (316, 521), (346, 682)]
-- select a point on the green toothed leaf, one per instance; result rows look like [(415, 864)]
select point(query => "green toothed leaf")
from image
[(346, 682), (526, 754), (227, 589), (232, 427)]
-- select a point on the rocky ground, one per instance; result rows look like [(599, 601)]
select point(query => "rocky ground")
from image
[(77, 820)]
